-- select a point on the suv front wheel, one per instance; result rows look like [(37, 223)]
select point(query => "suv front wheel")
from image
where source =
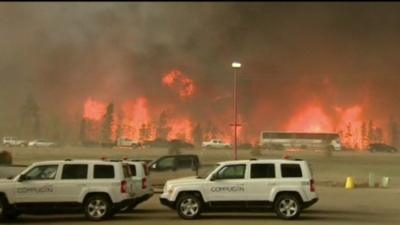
[(189, 206), (97, 207), (287, 206)]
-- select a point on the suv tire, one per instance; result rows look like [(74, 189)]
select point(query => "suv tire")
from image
[(97, 207), (189, 206), (6, 214), (287, 206)]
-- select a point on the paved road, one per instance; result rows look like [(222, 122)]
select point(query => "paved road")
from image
[(336, 206)]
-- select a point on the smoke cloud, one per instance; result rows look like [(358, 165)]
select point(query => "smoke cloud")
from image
[(336, 54)]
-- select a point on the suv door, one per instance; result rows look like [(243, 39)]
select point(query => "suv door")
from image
[(228, 184), (73, 179), (38, 185), (163, 169), (262, 181)]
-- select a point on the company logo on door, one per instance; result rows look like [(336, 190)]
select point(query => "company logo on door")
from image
[(232, 188), (44, 189)]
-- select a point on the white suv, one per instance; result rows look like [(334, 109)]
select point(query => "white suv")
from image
[(286, 186), (142, 185), (96, 187)]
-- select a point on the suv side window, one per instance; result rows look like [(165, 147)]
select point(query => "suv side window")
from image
[(266, 170), (103, 172), (133, 170), (45, 172), (232, 172), (166, 163), (74, 171), (291, 170), (184, 162)]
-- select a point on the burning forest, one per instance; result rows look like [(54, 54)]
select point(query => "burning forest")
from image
[(147, 72)]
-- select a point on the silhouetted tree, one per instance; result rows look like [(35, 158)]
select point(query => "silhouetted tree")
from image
[(197, 136), (393, 133), (162, 129), (29, 120), (144, 133), (106, 130)]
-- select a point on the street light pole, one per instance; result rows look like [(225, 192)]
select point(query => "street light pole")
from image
[(235, 66)]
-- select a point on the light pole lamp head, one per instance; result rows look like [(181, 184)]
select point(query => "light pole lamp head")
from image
[(236, 65)]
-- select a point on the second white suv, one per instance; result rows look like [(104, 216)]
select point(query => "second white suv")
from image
[(286, 186), (97, 188)]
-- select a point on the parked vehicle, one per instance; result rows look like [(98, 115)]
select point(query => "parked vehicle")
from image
[(215, 143), (41, 143), (14, 142), (285, 186), (97, 188), (173, 166), (380, 147), (142, 184), (126, 142)]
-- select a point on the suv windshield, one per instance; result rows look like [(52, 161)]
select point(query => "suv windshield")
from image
[(207, 171)]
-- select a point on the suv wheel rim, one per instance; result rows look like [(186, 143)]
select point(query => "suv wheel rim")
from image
[(189, 207), (288, 207), (97, 208)]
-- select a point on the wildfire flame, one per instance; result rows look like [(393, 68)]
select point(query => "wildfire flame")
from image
[(94, 110), (180, 83)]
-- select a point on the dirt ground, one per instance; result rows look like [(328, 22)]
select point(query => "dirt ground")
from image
[(337, 205)]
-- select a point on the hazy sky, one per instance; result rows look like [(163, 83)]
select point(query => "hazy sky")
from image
[(337, 54)]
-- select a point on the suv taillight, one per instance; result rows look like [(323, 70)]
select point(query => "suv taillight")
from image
[(144, 183), (312, 185), (124, 186)]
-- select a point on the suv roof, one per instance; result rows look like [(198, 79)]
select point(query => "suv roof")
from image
[(261, 161)]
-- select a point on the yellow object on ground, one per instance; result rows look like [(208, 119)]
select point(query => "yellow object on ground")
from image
[(349, 183)]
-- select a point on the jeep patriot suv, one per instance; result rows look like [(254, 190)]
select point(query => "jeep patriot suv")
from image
[(96, 187), (285, 186)]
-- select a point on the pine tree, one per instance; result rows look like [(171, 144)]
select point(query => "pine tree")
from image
[(393, 133), (144, 133), (197, 136), (364, 135), (29, 120), (371, 132), (106, 131), (162, 129)]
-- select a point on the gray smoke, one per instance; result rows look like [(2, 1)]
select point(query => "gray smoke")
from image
[(292, 53)]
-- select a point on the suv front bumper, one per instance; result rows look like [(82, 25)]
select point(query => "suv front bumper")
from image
[(168, 203)]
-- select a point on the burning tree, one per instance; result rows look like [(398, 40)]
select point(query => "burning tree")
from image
[(30, 121), (163, 129), (197, 135), (106, 130), (393, 133)]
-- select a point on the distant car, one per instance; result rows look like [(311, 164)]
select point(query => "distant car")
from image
[(41, 143), (215, 143), (125, 142), (379, 147), (12, 142)]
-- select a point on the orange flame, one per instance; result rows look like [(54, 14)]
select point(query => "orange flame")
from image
[(311, 119), (94, 110), (180, 83)]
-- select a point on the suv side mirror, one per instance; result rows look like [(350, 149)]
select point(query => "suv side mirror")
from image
[(214, 177), (23, 177)]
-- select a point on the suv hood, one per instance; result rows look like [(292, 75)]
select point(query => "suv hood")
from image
[(184, 180)]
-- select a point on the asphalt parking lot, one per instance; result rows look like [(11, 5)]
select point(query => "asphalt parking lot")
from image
[(336, 206)]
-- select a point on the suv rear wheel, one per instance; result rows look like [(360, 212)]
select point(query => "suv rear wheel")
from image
[(287, 206), (189, 206), (97, 207)]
